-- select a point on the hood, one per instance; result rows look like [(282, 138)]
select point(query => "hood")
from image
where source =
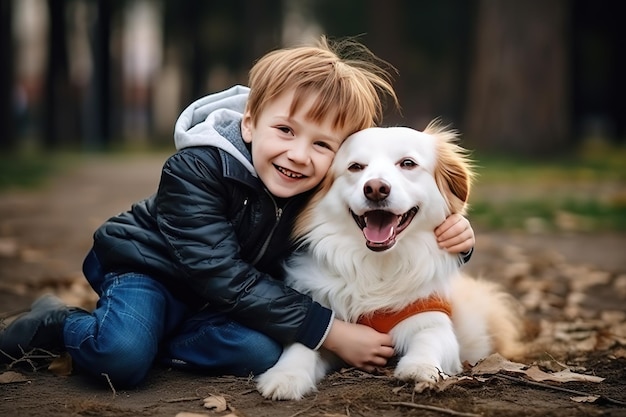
[(205, 123)]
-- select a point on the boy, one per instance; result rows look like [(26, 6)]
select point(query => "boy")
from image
[(192, 275)]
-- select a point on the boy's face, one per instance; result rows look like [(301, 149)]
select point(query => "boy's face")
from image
[(290, 154)]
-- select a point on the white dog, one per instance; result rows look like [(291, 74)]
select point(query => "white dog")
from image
[(372, 257)]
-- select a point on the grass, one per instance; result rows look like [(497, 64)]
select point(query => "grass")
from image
[(30, 168), (29, 171), (579, 193)]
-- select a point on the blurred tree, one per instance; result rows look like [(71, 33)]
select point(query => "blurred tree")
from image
[(61, 126), (98, 127), (260, 30), (518, 93), (598, 64), (7, 111), (217, 41), (426, 41)]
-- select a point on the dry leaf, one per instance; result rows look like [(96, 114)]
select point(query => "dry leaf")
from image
[(538, 375), (61, 366), (216, 403), (423, 386), (187, 414), (455, 380), (619, 353), (585, 399), (496, 363), (10, 377), (8, 247)]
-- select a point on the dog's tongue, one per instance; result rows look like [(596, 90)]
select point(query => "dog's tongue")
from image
[(379, 226)]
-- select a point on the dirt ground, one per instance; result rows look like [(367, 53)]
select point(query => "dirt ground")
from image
[(573, 288)]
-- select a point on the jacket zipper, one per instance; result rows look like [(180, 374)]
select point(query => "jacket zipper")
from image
[(279, 213)]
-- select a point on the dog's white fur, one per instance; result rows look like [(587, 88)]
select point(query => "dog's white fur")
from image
[(427, 170)]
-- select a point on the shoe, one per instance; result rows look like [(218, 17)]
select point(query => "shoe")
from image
[(40, 328)]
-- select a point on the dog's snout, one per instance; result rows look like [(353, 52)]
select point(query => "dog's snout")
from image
[(376, 189)]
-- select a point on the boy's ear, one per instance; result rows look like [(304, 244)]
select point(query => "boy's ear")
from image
[(246, 127)]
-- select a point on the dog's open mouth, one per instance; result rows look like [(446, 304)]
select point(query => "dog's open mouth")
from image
[(380, 228)]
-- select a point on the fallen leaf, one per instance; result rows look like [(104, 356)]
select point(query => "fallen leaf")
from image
[(552, 365), (216, 403), (619, 353), (585, 399), (8, 247), (496, 363), (10, 377), (61, 366), (423, 386), (538, 375), (187, 414)]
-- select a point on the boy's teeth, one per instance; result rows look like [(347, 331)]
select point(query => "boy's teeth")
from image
[(289, 173)]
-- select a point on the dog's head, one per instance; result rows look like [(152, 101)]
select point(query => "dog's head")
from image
[(384, 181)]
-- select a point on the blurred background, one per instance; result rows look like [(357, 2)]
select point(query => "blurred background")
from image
[(535, 87), (534, 77)]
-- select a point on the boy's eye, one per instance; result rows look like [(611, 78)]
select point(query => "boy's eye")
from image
[(324, 145), (408, 163), (284, 129), (355, 167)]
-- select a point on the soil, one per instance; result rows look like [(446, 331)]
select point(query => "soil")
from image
[(572, 286)]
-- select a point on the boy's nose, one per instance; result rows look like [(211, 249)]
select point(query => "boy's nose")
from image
[(299, 153)]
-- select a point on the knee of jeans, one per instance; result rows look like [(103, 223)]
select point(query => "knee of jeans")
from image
[(264, 353), (126, 363)]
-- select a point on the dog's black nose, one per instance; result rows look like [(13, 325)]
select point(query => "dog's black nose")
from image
[(376, 189)]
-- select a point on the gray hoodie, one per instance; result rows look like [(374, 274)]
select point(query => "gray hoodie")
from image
[(204, 122)]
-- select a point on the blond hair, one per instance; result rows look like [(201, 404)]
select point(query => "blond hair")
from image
[(349, 82)]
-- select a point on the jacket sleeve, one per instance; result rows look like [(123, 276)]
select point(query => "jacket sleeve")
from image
[(192, 216), (466, 256)]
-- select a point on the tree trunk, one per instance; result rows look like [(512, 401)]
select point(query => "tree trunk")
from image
[(518, 87), (61, 125), (7, 138)]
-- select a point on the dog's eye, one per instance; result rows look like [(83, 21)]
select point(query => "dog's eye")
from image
[(408, 163), (354, 167)]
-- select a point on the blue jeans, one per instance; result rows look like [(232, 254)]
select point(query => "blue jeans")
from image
[(137, 321)]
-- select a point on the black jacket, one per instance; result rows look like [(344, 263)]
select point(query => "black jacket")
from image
[(216, 237)]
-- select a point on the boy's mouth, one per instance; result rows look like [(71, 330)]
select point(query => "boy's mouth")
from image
[(289, 173)]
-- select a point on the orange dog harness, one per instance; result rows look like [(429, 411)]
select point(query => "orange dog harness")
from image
[(383, 321)]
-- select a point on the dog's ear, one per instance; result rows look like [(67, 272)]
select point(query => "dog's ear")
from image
[(453, 170)]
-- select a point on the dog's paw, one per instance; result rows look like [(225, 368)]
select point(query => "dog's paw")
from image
[(285, 384), (418, 372)]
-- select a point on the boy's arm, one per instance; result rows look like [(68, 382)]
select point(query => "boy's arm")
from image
[(456, 235), (192, 215)]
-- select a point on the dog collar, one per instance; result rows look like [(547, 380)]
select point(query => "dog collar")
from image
[(384, 320)]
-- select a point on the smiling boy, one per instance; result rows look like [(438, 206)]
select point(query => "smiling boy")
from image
[(192, 276)]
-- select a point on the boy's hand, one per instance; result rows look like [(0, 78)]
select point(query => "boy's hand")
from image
[(359, 345), (455, 234)]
